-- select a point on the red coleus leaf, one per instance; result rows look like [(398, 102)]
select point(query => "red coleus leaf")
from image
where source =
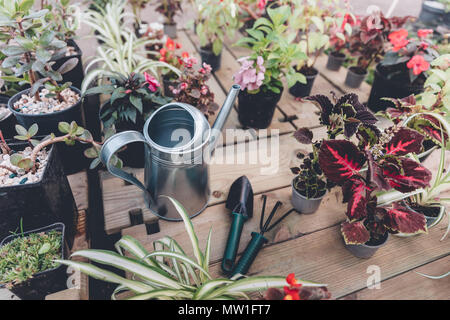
[(406, 177), (357, 201), (375, 173), (404, 141), (354, 232), (431, 127), (401, 219), (340, 160)]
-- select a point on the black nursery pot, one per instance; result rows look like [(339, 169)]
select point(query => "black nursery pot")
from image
[(335, 60), (432, 12), (7, 125), (300, 90), (47, 201), (76, 75), (256, 110), (47, 122), (45, 282), (210, 58), (391, 87), (355, 76)]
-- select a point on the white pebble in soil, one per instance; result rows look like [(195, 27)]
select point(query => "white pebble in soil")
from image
[(28, 104), (9, 179)]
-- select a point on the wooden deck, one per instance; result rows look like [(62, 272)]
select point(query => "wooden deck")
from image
[(309, 245)]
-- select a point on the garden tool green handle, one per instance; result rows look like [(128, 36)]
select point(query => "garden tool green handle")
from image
[(233, 242), (250, 253)]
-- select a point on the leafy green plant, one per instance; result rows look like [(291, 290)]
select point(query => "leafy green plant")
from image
[(215, 21), (23, 257), (65, 17), (167, 272), (168, 8), (35, 47)]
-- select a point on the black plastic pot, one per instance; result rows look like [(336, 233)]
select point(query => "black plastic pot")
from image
[(385, 85), (300, 90), (44, 202), (210, 58), (7, 124), (355, 76), (365, 251), (256, 110), (432, 12), (335, 60), (76, 75), (47, 122), (45, 282), (170, 29)]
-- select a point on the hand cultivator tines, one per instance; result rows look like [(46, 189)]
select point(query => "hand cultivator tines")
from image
[(258, 239)]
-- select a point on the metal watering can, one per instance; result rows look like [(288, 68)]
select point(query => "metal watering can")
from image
[(177, 139)]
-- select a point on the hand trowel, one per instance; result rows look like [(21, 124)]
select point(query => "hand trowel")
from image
[(240, 202)]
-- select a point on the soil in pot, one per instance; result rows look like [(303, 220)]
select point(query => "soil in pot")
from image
[(40, 275), (300, 90), (392, 82), (7, 119), (303, 204), (335, 60), (256, 110), (368, 249), (210, 58), (355, 77), (36, 200)]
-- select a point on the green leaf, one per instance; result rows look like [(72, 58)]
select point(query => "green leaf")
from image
[(15, 159), (25, 164), (217, 46), (46, 38), (21, 138), (33, 130), (106, 89), (43, 55), (45, 248), (37, 14), (319, 23), (68, 65), (21, 130), (137, 102), (13, 50), (118, 93), (64, 127), (10, 62), (94, 163), (163, 294), (91, 153)]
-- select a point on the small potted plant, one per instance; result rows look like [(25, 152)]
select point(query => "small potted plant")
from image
[(137, 6), (368, 44), (215, 21), (249, 12), (192, 87), (385, 155), (170, 54), (154, 32), (338, 41), (345, 117), (46, 102), (296, 291), (402, 70), (169, 8), (131, 100), (314, 21), (261, 73), (28, 267)]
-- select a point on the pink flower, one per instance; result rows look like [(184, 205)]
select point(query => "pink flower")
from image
[(207, 67), (189, 62), (423, 33), (183, 86), (153, 84), (261, 4), (249, 76), (204, 90)]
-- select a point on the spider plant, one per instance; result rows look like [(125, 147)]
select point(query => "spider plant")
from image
[(121, 51), (167, 273)]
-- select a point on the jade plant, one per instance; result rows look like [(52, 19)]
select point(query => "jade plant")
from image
[(167, 272), (378, 163), (65, 17), (345, 117), (27, 255), (33, 46)]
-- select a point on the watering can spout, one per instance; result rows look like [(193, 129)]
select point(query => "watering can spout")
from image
[(223, 116)]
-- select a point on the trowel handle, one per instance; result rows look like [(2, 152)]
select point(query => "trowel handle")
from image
[(233, 242), (250, 253)]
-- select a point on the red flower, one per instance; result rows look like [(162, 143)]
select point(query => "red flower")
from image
[(153, 84), (290, 279), (399, 39), (424, 45), (177, 45), (170, 44), (423, 33), (184, 54), (163, 52), (418, 64), (347, 19), (291, 294)]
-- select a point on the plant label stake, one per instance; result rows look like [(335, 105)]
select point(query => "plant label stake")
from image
[(258, 240), (240, 202)]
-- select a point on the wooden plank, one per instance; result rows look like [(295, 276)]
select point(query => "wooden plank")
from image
[(411, 285), (79, 185), (337, 78), (254, 158), (68, 294)]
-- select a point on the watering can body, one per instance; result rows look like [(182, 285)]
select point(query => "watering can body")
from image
[(178, 142)]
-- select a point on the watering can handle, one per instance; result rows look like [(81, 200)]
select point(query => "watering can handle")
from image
[(114, 144)]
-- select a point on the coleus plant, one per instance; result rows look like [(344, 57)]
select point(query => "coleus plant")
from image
[(414, 54), (346, 116), (131, 98), (32, 48), (170, 54), (368, 41), (193, 88), (388, 167)]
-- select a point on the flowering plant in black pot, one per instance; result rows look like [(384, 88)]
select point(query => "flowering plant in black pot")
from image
[(260, 75), (170, 54), (169, 8), (368, 42), (216, 19), (402, 70), (385, 156), (345, 117)]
